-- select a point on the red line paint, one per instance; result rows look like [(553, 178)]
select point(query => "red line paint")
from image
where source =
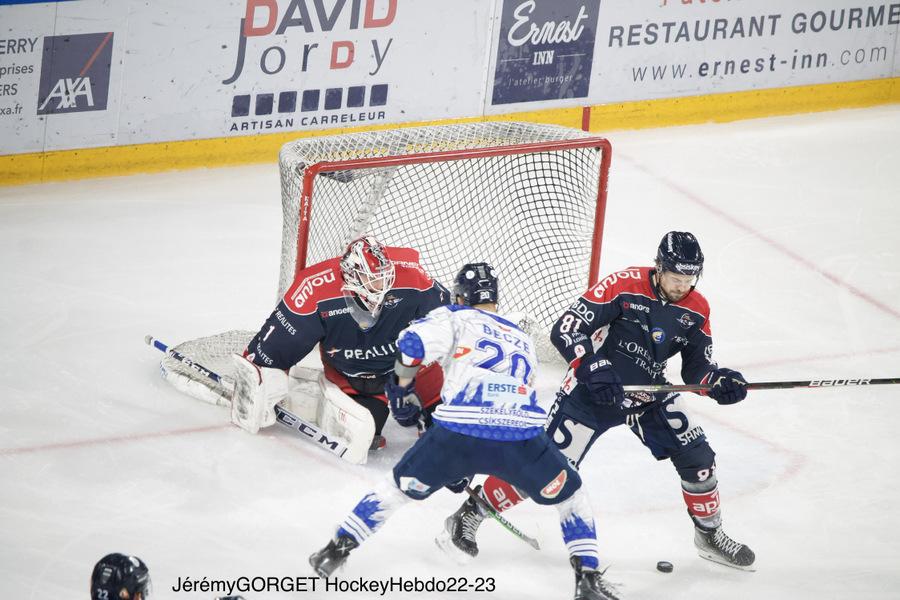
[(110, 440), (773, 243), (586, 118), (805, 359), (95, 54)]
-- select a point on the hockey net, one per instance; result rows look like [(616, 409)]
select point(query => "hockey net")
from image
[(528, 199)]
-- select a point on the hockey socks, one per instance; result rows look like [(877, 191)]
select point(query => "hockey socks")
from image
[(500, 495), (578, 530), (702, 500), (372, 511)]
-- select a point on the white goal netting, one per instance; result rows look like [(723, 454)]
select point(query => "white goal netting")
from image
[(527, 198)]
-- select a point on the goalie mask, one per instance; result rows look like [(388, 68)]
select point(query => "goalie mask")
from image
[(476, 283), (679, 252), (368, 276), (120, 577)]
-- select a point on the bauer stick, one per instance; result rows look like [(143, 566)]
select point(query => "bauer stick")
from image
[(506, 524), (285, 417), (766, 385)]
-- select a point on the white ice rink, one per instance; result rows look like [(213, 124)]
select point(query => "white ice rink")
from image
[(798, 218)]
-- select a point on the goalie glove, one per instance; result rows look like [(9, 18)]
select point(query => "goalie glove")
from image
[(256, 392), (404, 403), (728, 386)]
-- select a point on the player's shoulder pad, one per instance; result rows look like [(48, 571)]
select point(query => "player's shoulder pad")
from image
[(314, 284), (635, 280), (695, 302), (409, 272)]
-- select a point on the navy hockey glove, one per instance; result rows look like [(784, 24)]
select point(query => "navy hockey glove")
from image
[(602, 382), (403, 401), (728, 386), (458, 487)]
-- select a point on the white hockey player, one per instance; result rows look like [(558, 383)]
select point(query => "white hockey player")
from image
[(489, 422)]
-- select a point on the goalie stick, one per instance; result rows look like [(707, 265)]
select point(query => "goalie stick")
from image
[(506, 524), (766, 385), (283, 416)]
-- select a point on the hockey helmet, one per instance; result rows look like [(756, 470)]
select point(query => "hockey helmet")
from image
[(476, 283), (367, 271), (120, 577), (679, 252)]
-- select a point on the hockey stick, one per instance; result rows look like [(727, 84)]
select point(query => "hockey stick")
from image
[(283, 416), (506, 524), (766, 385)]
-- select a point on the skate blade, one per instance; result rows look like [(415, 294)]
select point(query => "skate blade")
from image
[(721, 561), (445, 543)]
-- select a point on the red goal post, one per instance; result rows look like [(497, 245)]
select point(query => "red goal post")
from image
[(599, 143)]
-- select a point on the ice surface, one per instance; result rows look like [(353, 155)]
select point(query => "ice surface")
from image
[(798, 218)]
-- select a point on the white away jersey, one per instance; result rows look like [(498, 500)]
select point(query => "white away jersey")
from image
[(489, 369)]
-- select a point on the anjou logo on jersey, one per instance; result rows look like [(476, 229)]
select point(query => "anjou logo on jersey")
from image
[(658, 335), (552, 489), (612, 279), (686, 321), (305, 288), (634, 306)]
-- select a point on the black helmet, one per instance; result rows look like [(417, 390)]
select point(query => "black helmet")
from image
[(476, 283), (117, 573), (679, 252)]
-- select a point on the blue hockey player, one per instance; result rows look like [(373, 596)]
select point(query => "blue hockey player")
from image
[(623, 330), (353, 306), (489, 422)]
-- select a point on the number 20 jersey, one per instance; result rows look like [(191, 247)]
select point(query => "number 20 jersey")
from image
[(489, 369)]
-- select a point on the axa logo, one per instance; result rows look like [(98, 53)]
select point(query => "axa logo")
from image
[(75, 73)]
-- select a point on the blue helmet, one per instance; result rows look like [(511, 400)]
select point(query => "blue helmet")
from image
[(116, 573), (476, 283), (679, 252)]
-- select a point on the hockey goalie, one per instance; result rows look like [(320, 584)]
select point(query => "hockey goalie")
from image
[(353, 306)]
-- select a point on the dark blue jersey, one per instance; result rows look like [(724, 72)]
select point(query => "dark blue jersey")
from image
[(624, 318), (314, 311)]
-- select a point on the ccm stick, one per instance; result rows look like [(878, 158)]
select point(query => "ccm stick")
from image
[(284, 417), (766, 385)]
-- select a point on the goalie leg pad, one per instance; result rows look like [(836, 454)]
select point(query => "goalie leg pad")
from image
[(339, 415), (304, 393), (256, 392)]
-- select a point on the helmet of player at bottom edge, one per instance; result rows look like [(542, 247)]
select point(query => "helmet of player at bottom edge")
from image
[(476, 283), (120, 577), (679, 252)]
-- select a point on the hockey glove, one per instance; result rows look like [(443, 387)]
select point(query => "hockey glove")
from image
[(403, 401), (458, 487), (728, 386), (597, 374)]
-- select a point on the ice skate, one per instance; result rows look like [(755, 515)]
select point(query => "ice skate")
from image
[(590, 584), (333, 556), (715, 545), (379, 442), (460, 528)]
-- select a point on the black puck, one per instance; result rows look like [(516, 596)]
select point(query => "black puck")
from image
[(664, 566)]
